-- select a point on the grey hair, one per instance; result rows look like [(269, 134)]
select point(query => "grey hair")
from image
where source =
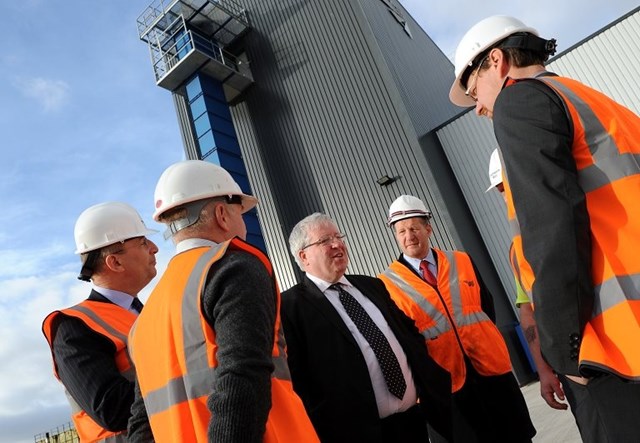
[(299, 236)]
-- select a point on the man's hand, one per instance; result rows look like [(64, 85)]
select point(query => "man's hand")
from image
[(551, 388)]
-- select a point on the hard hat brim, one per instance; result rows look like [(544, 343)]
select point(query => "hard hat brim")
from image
[(144, 233)]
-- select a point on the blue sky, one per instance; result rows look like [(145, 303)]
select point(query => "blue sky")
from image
[(81, 122)]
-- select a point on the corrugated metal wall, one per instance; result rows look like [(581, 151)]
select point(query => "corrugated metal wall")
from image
[(421, 72), (322, 122), (607, 61)]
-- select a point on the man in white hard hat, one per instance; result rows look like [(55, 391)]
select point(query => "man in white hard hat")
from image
[(443, 293), (89, 340), (208, 348), (570, 158), (357, 361)]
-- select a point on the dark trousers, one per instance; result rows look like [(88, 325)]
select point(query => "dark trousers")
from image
[(606, 409), (491, 409), (409, 426)]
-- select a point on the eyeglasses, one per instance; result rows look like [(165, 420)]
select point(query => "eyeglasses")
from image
[(326, 241), (472, 89), (143, 242)]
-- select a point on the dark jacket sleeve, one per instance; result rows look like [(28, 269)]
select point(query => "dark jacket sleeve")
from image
[(139, 428), (296, 349), (534, 132), (86, 366), (239, 303)]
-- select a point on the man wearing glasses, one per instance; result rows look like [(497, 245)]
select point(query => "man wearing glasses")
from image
[(452, 308), (572, 177), (89, 340), (359, 364)]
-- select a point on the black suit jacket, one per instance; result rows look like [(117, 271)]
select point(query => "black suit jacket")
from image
[(85, 361), (329, 372)]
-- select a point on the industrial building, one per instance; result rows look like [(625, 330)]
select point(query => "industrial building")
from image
[(340, 107)]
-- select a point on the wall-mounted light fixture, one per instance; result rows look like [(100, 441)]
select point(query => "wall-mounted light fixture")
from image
[(385, 180)]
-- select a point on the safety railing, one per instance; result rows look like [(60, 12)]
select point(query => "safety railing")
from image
[(65, 433)]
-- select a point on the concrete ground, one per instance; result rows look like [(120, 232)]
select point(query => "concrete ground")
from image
[(553, 426)]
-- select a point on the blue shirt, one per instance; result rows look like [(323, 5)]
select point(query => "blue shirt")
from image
[(119, 298), (415, 262)]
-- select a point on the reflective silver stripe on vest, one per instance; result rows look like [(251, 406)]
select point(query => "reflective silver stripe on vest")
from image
[(75, 407), (616, 290), (199, 375), (609, 164), (515, 226), (441, 326), (120, 437), (460, 317), (128, 374)]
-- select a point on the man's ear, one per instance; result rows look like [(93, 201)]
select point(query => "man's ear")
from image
[(302, 255), (498, 59), (429, 228), (222, 217), (112, 262)]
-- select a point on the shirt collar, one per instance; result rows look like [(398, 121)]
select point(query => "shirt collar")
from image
[(192, 243), (323, 285), (415, 262), (119, 298)]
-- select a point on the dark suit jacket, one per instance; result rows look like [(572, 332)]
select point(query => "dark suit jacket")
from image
[(329, 372), (86, 366)]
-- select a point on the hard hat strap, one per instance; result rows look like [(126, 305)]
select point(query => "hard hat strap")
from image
[(89, 265), (527, 41), (193, 215)]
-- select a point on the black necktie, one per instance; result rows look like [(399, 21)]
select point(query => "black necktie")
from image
[(137, 305), (376, 339)]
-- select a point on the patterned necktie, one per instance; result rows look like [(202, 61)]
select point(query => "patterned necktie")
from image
[(137, 305), (376, 339), (427, 275)]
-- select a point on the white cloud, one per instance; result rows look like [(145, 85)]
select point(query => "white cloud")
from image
[(52, 95)]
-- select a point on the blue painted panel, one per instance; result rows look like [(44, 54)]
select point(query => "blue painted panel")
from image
[(217, 140), (226, 143), (198, 106), (216, 107), (201, 125)]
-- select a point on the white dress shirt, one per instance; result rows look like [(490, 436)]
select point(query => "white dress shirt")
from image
[(387, 403)]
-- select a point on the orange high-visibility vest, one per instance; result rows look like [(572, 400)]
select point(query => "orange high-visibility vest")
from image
[(450, 318), (174, 350), (606, 149), (114, 323), (519, 264)]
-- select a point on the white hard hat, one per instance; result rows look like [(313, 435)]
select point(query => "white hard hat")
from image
[(107, 223), (407, 206), (479, 38), (191, 180), (495, 170)]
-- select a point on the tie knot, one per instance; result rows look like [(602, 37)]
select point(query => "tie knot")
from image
[(427, 275), (136, 305)]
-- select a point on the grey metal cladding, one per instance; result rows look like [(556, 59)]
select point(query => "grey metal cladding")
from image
[(322, 122), (420, 69)]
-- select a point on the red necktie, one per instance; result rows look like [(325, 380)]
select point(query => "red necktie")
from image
[(427, 275)]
